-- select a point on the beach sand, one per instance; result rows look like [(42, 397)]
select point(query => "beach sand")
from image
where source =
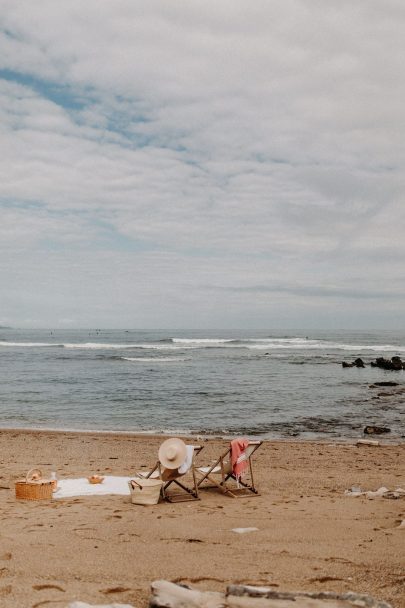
[(104, 549)]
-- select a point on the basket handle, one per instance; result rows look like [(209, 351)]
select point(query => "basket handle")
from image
[(136, 483), (31, 472)]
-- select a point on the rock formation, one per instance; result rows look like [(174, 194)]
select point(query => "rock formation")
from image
[(395, 363)]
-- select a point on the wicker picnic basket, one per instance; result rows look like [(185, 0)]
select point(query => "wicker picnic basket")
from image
[(33, 487), (145, 491)]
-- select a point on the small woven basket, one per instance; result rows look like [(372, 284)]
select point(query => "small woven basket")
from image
[(95, 479), (33, 487), (145, 491)]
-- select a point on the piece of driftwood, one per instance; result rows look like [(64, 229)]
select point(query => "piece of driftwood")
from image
[(170, 595), (327, 598)]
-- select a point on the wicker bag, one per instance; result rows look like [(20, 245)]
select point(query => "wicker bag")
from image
[(33, 487), (145, 491)]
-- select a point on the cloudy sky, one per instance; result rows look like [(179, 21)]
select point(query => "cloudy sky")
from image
[(202, 164)]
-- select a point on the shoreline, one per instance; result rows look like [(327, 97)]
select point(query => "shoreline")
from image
[(382, 438), (101, 549)]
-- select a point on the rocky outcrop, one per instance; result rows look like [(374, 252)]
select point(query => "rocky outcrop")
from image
[(356, 363), (387, 383), (395, 363), (376, 430)]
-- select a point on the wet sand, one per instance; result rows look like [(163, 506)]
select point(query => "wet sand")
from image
[(104, 549)]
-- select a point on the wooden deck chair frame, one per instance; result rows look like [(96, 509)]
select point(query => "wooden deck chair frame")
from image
[(220, 468), (187, 493)]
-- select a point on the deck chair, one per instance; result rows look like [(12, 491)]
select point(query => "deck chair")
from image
[(220, 474), (172, 477)]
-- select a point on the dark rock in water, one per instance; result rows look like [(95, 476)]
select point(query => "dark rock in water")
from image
[(387, 383), (383, 363), (356, 363), (376, 430), (394, 364)]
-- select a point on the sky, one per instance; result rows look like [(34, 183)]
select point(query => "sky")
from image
[(206, 164)]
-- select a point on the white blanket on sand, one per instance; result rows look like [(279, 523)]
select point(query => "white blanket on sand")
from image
[(81, 487)]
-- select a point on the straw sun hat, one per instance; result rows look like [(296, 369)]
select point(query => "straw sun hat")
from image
[(172, 453)]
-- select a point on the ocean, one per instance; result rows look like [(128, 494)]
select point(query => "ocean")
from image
[(269, 384)]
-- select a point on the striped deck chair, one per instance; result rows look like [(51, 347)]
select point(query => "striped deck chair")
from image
[(220, 474)]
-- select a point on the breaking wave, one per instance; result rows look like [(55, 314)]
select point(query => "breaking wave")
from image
[(202, 340), (176, 344), (87, 345), (30, 344)]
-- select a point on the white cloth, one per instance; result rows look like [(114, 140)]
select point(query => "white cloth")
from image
[(82, 487), (243, 530), (183, 468), (384, 492)]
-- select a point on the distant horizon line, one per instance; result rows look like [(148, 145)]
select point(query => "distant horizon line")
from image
[(200, 329)]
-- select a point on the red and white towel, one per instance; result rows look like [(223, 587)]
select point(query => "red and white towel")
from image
[(239, 458)]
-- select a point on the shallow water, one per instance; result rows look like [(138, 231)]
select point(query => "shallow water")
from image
[(261, 383)]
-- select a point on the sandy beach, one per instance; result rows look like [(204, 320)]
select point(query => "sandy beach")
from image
[(104, 549)]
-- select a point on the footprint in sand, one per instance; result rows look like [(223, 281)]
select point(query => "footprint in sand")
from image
[(6, 556), (341, 560), (115, 590), (325, 579), (7, 590), (48, 586), (84, 534)]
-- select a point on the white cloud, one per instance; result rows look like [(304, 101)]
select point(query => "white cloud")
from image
[(251, 152)]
